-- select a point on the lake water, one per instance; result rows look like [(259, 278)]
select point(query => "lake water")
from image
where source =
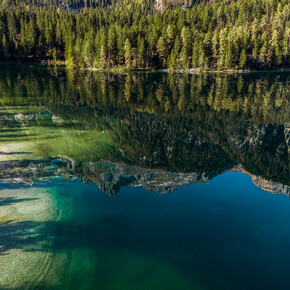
[(143, 180)]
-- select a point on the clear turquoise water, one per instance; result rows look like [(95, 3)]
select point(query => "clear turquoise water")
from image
[(225, 234), (143, 181)]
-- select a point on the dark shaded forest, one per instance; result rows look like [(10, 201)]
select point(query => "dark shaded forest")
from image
[(202, 35)]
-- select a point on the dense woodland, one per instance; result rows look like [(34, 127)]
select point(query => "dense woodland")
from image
[(241, 34)]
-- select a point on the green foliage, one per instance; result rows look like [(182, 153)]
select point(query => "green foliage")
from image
[(217, 35), (243, 59), (128, 53)]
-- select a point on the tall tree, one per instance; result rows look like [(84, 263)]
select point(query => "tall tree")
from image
[(128, 54)]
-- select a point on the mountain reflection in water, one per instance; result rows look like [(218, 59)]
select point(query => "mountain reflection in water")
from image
[(155, 130), (64, 131)]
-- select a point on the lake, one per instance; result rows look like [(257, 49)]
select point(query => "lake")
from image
[(143, 180)]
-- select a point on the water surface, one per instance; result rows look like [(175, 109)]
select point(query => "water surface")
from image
[(144, 180)]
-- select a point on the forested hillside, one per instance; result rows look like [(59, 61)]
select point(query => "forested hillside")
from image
[(242, 34), (69, 4)]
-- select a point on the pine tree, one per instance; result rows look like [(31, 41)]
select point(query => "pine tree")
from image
[(223, 48), (141, 52), (69, 53), (169, 35), (5, 50), (195, 54), (112, 45), (103, 57), (128, 54), (161, 49), (243, 59), (54, 54)]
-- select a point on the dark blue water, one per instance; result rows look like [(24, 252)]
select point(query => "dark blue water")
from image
[(143, 181), (224, 234)]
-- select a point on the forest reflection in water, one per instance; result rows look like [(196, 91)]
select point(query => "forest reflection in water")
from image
[(63, 132), (173, 123)]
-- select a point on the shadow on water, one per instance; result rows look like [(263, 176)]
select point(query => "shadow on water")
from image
[(11, 130), (8, 184), (160, 239), (33, 236), (5, 201), (14, 153), (18, 235), (114, 235), (13, 137)]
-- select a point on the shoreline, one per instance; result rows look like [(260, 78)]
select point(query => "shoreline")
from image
[(63, 64)]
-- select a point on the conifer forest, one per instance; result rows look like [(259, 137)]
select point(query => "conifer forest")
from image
[(144, 34)]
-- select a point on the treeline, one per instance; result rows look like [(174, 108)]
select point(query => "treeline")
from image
[(240, 34), (68, 4)]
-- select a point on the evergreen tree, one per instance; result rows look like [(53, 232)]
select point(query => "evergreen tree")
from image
[(243, 59), (161, 49), (103, 57), (141, 52), (128, 54)]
